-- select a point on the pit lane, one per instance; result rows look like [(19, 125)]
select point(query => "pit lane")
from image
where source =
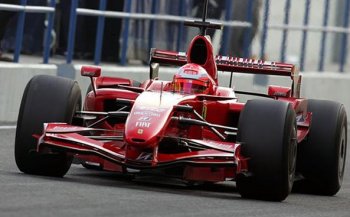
[(85, 192)]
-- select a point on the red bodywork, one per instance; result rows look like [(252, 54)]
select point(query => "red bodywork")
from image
[(149, 128)]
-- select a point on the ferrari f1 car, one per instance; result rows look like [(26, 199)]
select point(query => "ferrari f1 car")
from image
[(189, 128)]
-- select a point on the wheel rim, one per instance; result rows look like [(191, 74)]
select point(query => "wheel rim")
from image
[(342, 153)]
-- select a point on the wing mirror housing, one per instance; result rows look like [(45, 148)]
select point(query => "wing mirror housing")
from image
[(90, 71)]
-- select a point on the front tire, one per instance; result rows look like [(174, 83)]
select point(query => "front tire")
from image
[(45, 99), (267, 132)]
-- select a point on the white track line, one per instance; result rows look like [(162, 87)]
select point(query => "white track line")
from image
[(7, 127)]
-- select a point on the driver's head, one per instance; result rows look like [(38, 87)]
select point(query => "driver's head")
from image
[(192, 79)]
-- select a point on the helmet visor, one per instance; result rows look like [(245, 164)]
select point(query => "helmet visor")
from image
[(189, 86)]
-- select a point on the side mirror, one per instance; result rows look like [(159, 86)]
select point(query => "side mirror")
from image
[(90, 71)]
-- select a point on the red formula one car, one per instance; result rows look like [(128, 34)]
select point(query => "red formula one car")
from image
[(188, 128)]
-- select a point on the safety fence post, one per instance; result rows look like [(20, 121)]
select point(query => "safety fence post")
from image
[(125, 34), (154, 10), (285, 31), (180, 26), (304, 37), (248, 31), (324, 36), (344, 46), (265, 29), (72, 28), (19, 32), (99, 34), (47, 40), (227, 30)]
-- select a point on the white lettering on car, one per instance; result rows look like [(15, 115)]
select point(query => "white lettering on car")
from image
[(143, 124), (147, 113)]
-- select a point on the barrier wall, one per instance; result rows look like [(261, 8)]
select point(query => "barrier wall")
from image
[(14, 77)]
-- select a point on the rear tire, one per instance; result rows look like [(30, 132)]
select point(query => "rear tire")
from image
[(321, 157), (45, 99), (267, 132)]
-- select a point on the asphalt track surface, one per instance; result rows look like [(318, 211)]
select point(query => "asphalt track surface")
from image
[(86, 193)]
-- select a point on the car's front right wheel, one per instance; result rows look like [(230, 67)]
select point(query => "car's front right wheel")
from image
[(268, 136)]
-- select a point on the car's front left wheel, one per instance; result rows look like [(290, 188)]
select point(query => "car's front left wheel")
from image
[(45, 99)]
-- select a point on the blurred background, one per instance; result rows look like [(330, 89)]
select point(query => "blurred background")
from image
[(313, 34), (56, 37)]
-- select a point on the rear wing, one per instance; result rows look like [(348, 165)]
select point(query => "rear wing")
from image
[(233, 65)]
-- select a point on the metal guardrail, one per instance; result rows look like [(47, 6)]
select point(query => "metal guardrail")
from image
[(27, 8), (154, 16), (22, 10), (101, 13), (305, 28)]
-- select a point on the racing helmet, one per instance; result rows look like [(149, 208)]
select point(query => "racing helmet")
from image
[(192, 79)]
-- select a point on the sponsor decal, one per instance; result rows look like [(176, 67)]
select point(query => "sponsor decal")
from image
[(151, 109), (143, 124), (87, 73), (68, 128), (147, 113), (144, 118)]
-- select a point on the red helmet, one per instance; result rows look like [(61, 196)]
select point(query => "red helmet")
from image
[(193, 79)]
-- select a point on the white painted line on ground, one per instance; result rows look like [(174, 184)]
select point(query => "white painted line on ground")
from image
[(7, 127)]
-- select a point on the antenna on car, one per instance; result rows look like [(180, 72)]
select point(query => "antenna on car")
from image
[(203, 25)]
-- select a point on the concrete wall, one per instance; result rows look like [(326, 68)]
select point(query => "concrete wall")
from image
[(14, 77)]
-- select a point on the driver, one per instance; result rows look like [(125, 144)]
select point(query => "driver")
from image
[(193, 79)]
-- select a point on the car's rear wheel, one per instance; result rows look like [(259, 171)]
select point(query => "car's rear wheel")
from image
[(321, 157), (45, 99), (267, 132)]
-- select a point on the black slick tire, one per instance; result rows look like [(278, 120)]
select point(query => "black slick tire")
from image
[(45, 99), (267, 132), (322, 155)]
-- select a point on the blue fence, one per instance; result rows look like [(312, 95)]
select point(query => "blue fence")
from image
[(153, 17), (22, 9)]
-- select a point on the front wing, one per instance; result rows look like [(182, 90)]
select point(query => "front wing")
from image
[(218, 161)]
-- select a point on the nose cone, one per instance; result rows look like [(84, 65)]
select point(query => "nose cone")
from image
[(149, 118), (145, 124)]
